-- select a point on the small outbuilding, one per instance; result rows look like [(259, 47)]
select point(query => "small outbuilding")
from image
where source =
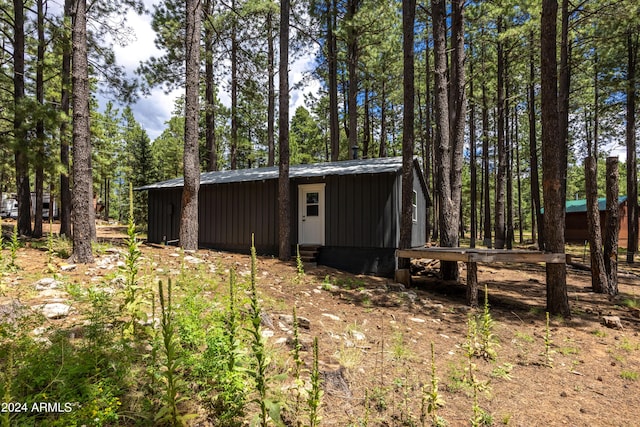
[(348, 212), (576, 220)]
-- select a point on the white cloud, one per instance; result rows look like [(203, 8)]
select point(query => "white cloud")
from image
[(154, 110)]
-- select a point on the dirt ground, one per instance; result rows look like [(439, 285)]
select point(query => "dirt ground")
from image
[(375, 341)]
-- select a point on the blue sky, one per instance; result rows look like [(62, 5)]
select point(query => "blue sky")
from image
[(154, 110)]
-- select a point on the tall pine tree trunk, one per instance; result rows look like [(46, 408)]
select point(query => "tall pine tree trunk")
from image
[(553, 168), (189, 215), (598, 273), (233, 149), (533, 147), (501, 177), (612, 227), (332, 52), (448, 210), (632, 162), (65, 107), (486, 241), (472, 158), (83, 214), (352, 65), (271, 100), (21, 145), (40, 131), (406, 219), (210, 96), (284, 195)]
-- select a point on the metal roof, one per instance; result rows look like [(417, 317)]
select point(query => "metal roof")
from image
[(581, 205), (346, 167)]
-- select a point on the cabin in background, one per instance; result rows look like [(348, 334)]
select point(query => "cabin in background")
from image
[(576, 220), (347, 213)]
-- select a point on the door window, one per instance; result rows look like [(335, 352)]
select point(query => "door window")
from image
[(313, 204)]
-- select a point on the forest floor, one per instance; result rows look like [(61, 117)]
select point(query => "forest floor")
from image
[(376, 337)]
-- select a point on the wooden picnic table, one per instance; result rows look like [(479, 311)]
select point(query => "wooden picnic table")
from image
[(472, 256)]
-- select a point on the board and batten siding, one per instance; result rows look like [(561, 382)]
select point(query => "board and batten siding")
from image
[(231, 213), (359, 211), (164, 214)]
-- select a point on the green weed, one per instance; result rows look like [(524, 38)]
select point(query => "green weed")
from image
[(548, 360), (315, 395), (503, 371), (629, 375), (432, 400)]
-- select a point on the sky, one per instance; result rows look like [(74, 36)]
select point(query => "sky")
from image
[(152, 111)]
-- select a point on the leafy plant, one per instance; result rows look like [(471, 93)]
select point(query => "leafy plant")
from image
[(503, 371), (51, 251), (548, 360), (629, 375), (14, 245), (432, 400), (315, 395), (299, 266), (267, 407), (169, 412), (133, 295), (488, 341)]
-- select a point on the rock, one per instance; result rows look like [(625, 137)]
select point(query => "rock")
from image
[(303, 322), (266, 320), (410, 295), (12, 312), (396, 287), (52, 294), (68, 267), (55, 310), (358, 336), (331, 316), (266, 333), (335, 383), (192, 260), (417, 320), (47, 283), (612, 322)]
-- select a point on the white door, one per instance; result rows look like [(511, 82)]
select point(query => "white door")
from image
[(311, 214)]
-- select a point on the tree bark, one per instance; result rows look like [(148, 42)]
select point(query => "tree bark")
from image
[(406, 219), (271, 100), (459, 111), (334, 124), (82, 214), (65, 79), (233, 149), (382, 152), (352, 65), (21, 144), (189, 215), (612, 227), (553, 167), (598, 273), (210, 96), (449, 211), (40, 130), (472, 158), (632, 162), (284, 195), (486, 241), (533, 147), (563, 93), (501, 176)]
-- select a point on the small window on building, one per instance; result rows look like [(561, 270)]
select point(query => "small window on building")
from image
[(414, 206)]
